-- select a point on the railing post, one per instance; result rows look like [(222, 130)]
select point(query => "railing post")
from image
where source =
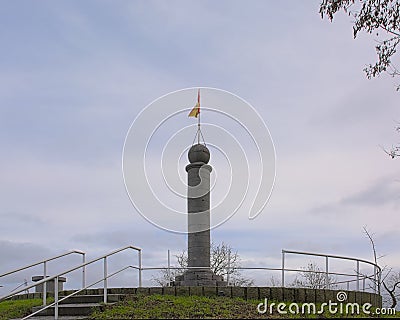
[(169, 269), (283, 268), (140, 267), (44, 283), (363, 284), (358, 275), (348, 286), (229, 268), (379, 280), (55, 298), (83, 271), (25, 284), (375, 284), (326, 273), (105, 280)]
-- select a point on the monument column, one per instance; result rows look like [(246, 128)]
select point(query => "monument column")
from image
[(198, 206)]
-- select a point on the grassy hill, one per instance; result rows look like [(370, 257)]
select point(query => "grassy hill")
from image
[(195, 307), (12, 309), (173, 307)]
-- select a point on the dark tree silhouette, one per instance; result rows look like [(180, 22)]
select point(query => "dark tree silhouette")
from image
[(378, 17)]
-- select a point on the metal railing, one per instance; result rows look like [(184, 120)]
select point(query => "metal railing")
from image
[(375, 277), (57, 300), (44, 262), (363, 277), (357, 276), (25, 284), (55, 278)]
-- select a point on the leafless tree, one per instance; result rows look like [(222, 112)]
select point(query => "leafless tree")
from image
[(373, 247), (391, 285), (223, 261), (314, 277), (274, 281), (389, 278), (165, 276)]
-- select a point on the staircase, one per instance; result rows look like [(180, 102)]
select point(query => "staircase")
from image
[(79, 305), (81, 302)]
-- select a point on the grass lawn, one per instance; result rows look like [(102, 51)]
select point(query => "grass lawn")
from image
[(10, 309), (195, 307), (176, 307)]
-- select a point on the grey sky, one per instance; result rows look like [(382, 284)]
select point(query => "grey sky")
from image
[(75, 74)]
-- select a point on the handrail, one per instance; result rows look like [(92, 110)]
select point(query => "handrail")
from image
[(376, 275), (373, 277), (75, 268), (43, 261), (57, 301), (257, 268), (363, 276), (370, 277), (25, 283), (331, 256)]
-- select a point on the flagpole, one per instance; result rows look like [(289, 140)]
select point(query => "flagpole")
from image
[(198, 130), (198, 123)]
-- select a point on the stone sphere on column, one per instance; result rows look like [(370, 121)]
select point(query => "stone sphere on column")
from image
[(199, 153)]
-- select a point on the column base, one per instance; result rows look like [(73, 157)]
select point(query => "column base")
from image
[(199, 278)]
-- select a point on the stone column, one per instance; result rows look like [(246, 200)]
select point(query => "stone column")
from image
[(198, 205)]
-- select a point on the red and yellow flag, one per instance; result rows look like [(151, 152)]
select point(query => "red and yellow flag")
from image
[(196, 110)]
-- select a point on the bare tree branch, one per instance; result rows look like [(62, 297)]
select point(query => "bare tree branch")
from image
[(372, 16), (389, 279), (313, 277), (223, 261), (372, 243)]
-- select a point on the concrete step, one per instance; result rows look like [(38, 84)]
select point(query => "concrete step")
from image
[(78, 305), (92, 299), (79, 309)]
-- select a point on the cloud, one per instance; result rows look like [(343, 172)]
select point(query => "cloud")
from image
[(376, 195), (75, 75), (15, 255), (379, 194)]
